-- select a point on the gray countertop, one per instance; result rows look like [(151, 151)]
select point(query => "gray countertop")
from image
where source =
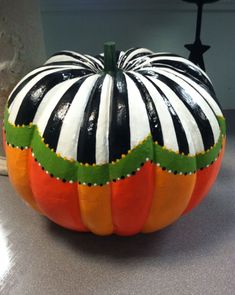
[(195, 256)]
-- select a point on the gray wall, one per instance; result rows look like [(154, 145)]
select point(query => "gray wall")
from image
[(163, 25)]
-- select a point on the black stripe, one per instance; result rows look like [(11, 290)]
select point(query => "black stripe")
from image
[(135, 63), (36, 94), (198, 83), (118, 53), (195, 110), (22, 84), (191, 71), (95, 62), (52, 131), (154, 121), (179, 130), (126, 55), (69, 63), (71, 54), (119, 130), (164, 54), (100, 57), (87, 136), (137, 58), (86, 61)]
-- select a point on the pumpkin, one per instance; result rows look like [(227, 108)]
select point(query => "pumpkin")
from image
[(121, 142)]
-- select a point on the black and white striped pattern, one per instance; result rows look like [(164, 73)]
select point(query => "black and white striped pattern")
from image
[(93, 117)]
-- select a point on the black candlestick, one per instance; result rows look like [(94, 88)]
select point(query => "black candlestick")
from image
[(197, 48)]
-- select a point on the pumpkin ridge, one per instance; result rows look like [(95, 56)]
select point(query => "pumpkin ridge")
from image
[(28, 136), (109, 172), (87, 173)]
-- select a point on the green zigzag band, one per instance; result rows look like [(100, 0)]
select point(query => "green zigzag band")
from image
[(28, 136)]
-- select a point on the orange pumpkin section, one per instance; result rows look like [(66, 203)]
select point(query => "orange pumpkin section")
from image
[(171, 196), (204, 182), (131, 200), (17, 164), (57, 200), (95, 204)]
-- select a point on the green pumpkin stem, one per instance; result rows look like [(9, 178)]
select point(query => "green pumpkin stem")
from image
[(110, 65)]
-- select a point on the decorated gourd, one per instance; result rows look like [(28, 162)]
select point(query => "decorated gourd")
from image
[(124, 142)]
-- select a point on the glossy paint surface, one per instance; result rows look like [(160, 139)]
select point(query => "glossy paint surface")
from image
[(125, 207), (193, 255), (115, 149), (175, 104)]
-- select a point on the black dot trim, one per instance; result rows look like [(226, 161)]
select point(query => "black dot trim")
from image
[(64, 180)]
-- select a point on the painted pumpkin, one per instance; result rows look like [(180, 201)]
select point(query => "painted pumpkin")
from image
[(123, 142)]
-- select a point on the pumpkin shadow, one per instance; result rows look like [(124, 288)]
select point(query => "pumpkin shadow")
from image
[(112, 245), (205, 228)]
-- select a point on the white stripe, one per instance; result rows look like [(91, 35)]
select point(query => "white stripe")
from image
[(188, 122), (49, 102), (167, 126), (198, 100), (69, 134), (135, 52), (119, 58), (63, 57), (138, 118), (179, 59), (96, 61), (14, 107), (29, 74), (102, 132), (200, 89)]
